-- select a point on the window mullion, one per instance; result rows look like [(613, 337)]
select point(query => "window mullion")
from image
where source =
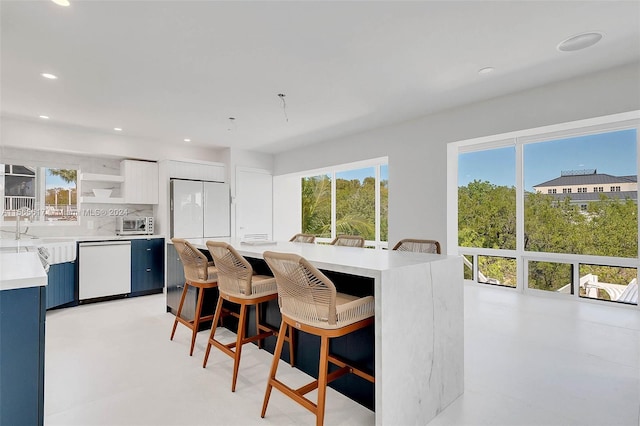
[(377, 207), (333, 205), (520, 265)]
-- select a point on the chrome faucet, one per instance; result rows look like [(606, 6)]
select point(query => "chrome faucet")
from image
[(18, 217), (19, 214)]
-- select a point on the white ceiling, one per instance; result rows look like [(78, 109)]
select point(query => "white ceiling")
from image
[(169, 70)]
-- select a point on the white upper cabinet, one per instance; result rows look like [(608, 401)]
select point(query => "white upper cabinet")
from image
[(140, 181), (196, 171)]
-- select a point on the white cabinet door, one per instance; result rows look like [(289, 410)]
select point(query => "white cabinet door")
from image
[(254, 203), (196, 171), (140, 181)]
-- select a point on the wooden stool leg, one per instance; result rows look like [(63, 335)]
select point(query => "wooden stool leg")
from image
[(214, 325), (322, 379), (241, 332), (258, 325), (274, 365), (291, 359), (182, 297), (196, 319)]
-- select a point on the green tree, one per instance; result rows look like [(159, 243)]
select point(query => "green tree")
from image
[(613, 227), (608, 227), (384, 210), (68, 175), (487, 216), (553, 226), (355, 207), (316, 205)]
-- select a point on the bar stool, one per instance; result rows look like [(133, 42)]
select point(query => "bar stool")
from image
[(309, 302), (238, 284), (198, 273), (303, 238), (418, 246), (348, 240)]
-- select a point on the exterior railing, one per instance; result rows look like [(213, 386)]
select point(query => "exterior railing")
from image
[(13, 203)]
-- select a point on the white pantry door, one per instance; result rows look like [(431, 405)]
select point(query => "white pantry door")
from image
[(254, 203)]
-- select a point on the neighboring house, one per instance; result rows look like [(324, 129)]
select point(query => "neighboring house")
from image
[(18, 184), (584, 186)]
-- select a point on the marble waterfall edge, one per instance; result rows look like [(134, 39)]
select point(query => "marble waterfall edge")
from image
[(423, 326)]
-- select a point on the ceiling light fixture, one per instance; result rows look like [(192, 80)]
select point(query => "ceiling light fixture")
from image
[(579, 42), (117, 129), (49, 76), (187, 140), (232, 124), (486, 70), (284, 105), (61, 2), (44, 117)]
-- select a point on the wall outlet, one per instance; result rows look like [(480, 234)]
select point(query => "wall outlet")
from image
[(89, 224)]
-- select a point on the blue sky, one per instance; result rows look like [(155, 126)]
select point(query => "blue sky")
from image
[(612, 153), (360, 174)]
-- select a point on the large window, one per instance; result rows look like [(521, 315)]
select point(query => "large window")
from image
[(38, 193), (552, 212), (347, 201), (487, 211)]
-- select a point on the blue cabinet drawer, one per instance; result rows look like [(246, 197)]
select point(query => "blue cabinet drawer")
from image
[(147, 265)]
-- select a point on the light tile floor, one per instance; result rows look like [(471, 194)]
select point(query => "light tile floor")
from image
[(528, 361)]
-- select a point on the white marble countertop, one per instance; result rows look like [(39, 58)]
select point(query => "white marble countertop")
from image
[(114, 237), (21, 270), (351, 260)]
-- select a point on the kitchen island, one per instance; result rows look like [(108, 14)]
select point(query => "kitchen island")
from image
[(418, 338)]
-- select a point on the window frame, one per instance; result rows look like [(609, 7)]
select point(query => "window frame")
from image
[(40, 193), (376, 164), (615, 122)]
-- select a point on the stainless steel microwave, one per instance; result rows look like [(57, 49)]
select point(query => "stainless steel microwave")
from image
[(129, 225)]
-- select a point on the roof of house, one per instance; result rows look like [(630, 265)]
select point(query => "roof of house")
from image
[(588, 179)]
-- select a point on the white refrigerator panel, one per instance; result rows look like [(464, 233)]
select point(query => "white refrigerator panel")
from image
[(217, 210), (187, 203)]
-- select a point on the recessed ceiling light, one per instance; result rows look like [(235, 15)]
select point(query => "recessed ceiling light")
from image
[(44, 117), (61, 2), (117, 129), (486, 70), (580, 41), (49, 76), (187, 140)]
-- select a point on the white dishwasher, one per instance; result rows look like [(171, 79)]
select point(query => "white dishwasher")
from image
[(104, 269)]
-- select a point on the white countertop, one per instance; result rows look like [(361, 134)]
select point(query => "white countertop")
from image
[(21, 270), (114, 237), (352, 260)]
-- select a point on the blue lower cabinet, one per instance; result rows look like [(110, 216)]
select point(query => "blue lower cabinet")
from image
[(61, 285), (22, 316), (147, 266)]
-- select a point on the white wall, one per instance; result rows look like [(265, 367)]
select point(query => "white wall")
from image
[(239, 158), (417, 148), (47, 137), (287, 206)]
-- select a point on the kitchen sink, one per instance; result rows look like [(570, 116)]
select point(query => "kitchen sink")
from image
[(60, 250)]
